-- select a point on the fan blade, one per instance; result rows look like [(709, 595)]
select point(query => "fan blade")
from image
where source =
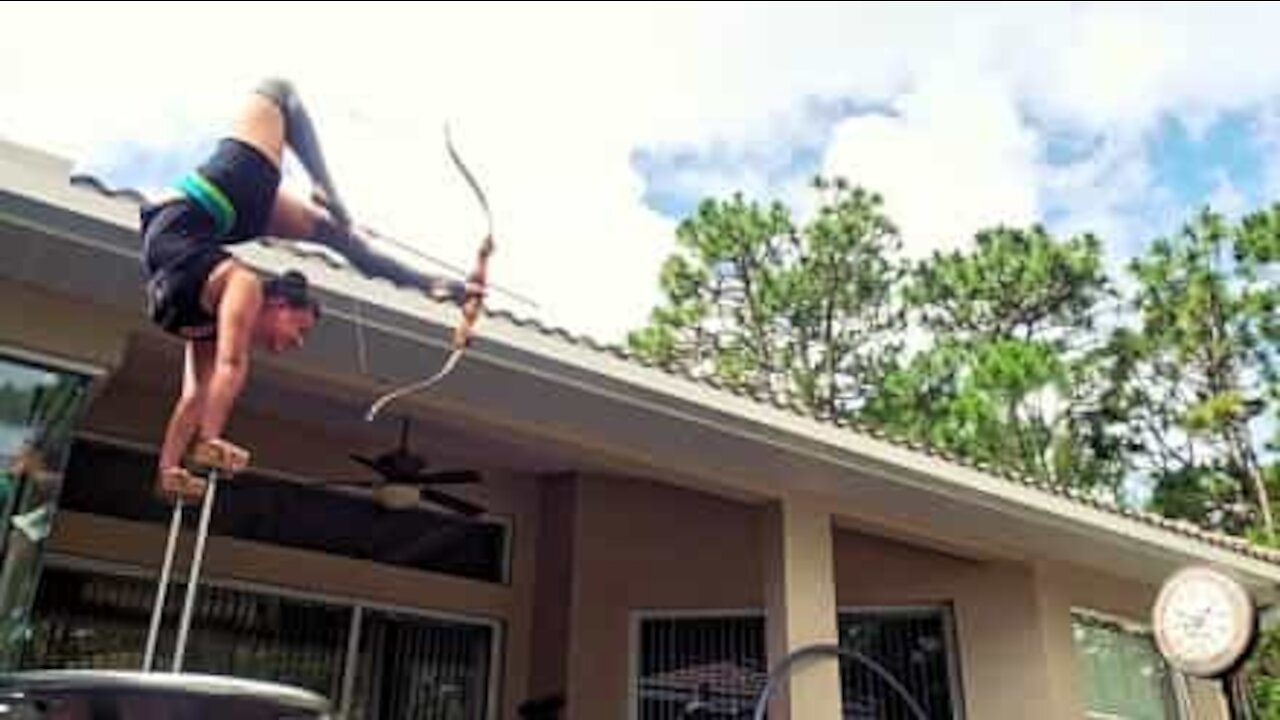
[(367, 462), (448, 477), (458, 505)]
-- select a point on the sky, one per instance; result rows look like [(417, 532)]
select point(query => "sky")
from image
[(594, 129)]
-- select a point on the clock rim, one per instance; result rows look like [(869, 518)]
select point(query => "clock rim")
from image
[(1244, 617)]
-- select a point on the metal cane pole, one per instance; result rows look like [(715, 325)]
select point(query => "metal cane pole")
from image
[(193, 578), (157, 611)]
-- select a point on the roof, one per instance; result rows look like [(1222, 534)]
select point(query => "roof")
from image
[(1181, 527), (95, 187)]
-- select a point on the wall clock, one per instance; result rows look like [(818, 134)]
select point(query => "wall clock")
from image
[(1205, 622)]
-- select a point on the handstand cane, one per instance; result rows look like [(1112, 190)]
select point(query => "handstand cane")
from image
[(175, 525), (193, 579)]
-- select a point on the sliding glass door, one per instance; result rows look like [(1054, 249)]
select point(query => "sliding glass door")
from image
[(39, 405)]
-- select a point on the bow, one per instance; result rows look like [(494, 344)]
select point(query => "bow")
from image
[(470, 306)]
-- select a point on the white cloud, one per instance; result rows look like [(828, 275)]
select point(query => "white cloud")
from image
[(1226, 198), (1267, 132), (549, 103), (534, 116), (954, 159), (1113, 193), (967, 146)]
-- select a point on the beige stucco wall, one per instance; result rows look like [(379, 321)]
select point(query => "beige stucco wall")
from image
[(613, 547), (1002, 656), (647, 547), (553, 583), (125, 411), (642, 546), (610, 547), (39, 322), (800, 604), (1065, 587)]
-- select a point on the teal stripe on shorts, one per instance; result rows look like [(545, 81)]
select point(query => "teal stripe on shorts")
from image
[(211, 198)]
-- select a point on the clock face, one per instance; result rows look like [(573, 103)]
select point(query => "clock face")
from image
[(1204, 621)]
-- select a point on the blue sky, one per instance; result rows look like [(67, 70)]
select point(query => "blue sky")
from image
[(1193, 165), (756, 167), (1223, 163), (595, 129)]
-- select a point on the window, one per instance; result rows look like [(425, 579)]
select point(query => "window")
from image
[(408, 665), (413, 669), (39, 406), (915, 647), (1122, 674), (87, 620), (700, 667), (714, 666)]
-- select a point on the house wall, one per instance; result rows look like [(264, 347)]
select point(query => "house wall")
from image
[(554, 583), (591, 552), (127, 412), (40, 322), (1066, 587), (609, 548), (642, 546), (1002, 657)]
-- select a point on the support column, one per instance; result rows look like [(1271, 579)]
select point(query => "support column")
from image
[(800, 596)]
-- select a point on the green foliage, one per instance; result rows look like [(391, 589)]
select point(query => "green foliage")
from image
[(1018, 350), (807, 313), (1198, 377), (1008, 378), (1014, 284)]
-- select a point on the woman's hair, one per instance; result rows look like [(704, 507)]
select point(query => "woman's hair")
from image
[(293, 289)]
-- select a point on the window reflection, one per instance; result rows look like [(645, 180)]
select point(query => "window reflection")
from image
[(39, 406)]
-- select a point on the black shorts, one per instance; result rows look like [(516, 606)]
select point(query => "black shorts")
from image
[(227, 200)]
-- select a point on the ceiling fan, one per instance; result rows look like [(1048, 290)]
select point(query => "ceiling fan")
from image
[(403, 480)]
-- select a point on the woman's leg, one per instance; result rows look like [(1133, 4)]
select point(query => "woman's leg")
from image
[(300, 135), (294, 217), (260, 123)]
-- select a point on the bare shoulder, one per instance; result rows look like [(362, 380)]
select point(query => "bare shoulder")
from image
[(232, 285), (243, 286), (244, 277)]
